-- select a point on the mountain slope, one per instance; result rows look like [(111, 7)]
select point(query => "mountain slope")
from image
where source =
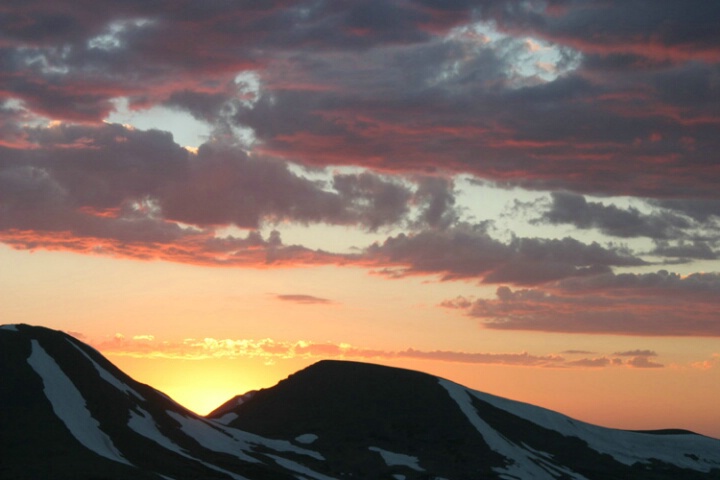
[(357, 409), (67, 412)]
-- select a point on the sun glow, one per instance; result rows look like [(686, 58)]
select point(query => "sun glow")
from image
[(204, 385)]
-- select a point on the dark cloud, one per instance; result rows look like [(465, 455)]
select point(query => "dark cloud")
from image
[(662, 282), (466, 252), (697, 249), (702, 210), (72, 170), (586, 97), (661, 304), (678, 231), (653, 29), (437, 199), (576, 210)]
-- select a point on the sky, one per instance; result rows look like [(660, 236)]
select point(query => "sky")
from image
[(519, 196)]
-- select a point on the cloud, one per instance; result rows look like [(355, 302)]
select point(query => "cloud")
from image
[(611, 220), (711, 362), (655, 304), (591, 362), (696, 249), (198, 349), (124, 189), (594, 27), (643, 362), (636, 353), (676, 229), (518, 94), (523, 359), (362, 114), (131, 193), (147, 346), (470, 252), (303, 299)]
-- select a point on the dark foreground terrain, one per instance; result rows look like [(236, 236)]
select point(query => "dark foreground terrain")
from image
[(66, 412)]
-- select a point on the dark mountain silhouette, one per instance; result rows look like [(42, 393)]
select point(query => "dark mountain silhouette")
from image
[(67, 412)]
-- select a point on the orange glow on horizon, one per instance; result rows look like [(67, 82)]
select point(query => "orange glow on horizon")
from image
[(628, 399)]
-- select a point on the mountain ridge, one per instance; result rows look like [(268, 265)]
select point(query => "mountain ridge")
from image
[(333, 419)]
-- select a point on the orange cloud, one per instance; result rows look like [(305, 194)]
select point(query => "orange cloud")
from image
[(147, 346)]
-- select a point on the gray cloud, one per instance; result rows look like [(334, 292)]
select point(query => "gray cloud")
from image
[(466, 252), (656, 304), (576, 210), (404, 86)]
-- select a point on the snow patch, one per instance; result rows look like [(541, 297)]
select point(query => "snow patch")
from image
[(301, 469), (70, 406), (522, 463), (145, 426), (227, 418), (306, 438), (625, 447), (212, 437), (277, 445), (9, 327), (108, 377), (393, 459), (233, 441)]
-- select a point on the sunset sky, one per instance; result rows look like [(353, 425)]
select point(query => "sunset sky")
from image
[(520, 196)]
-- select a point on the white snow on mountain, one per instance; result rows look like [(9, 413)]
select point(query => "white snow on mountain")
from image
[(523, 462), (212, 437), (301, 469), (108, 377), (145, 426), (626, 447), (273, 444), (393, 459), (9, 327), (70, 406), (306, 438), (227, 418)]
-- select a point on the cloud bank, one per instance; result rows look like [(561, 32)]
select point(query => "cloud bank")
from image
[(146, 346), (367, 115)]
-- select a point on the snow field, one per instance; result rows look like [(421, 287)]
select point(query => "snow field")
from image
[(626, 447), (393, 459), (70, 406)]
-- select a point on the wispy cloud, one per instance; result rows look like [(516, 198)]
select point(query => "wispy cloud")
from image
[(303, 299), (147, 346), (712, 362), (636, 353)]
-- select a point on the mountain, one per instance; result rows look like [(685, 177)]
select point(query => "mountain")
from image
[(67, 412)]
